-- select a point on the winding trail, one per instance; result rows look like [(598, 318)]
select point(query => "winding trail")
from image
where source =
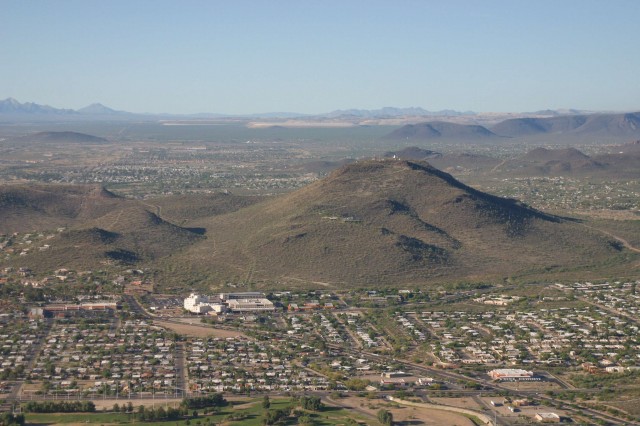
[(624, 242), (117, 219)]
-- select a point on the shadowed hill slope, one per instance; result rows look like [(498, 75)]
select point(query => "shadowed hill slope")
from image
[(129, 235), (30, 207), (183, 209), (101, 227)]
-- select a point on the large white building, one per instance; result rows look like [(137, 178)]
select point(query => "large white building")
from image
[(236, 302), (199, 304)]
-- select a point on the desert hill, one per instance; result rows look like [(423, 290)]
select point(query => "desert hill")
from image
[(552, 162), (101, 227), (440, 130), (620, 125), (374, 222), (387, 222), (545, 154), (130, 235), (25, 208), (622, 161)]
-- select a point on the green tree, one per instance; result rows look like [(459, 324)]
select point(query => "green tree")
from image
[(385, 417)]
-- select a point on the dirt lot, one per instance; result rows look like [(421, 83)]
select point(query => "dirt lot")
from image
[(458, 402), (412, 415), (532, 386), (195, 330)]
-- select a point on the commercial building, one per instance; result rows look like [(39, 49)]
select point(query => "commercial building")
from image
[(235, 302), (244, 295), (510, 374), (199, 304), (250, 305)]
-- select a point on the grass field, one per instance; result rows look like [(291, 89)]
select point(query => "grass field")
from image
[(252, 415)]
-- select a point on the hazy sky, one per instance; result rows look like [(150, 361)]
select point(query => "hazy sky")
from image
[(309, 56)]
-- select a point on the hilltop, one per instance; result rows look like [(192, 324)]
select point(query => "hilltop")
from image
[(387, 222)]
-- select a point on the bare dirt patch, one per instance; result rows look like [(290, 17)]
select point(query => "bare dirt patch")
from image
[(466, 402)]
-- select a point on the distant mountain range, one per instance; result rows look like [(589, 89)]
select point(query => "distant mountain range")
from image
[(618, 125), (546, 122), (394, 112), (624, 124), (12, 106)]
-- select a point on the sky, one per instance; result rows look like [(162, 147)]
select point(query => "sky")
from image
[(241, 57)]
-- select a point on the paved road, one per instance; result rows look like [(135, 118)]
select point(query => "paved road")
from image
[(33, 354), (181, 371)]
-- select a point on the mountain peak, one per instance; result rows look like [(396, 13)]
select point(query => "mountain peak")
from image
[(98, 108)]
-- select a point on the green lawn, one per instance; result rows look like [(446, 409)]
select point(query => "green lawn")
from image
[(330, 416)]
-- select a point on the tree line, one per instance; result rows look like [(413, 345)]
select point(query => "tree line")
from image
[(60, 407)]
